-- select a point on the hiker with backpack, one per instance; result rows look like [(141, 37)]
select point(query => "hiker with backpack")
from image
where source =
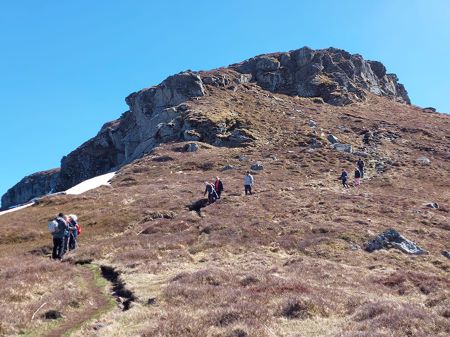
[(360, 163), (344, 178), (74, 231), (218, 185), (248, 183), (212, 194), (357, 180), (66, 235), (58, 227)]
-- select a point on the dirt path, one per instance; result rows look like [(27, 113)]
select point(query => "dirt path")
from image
[(98, 302)]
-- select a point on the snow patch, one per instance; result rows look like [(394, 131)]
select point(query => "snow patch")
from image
[(92, 183), (82, 187), (17, 208)]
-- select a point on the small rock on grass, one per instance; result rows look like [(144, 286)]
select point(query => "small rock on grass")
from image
[(343, 147), (332, 139), (258, 166), (227, 167), (191, 147), (424, 161), (446, 253)]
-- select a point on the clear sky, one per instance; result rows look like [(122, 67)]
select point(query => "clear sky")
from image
[(66, 66)]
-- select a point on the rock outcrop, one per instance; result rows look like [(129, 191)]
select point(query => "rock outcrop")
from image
[(168, 112), (334, 75), (157, 115), (32, 186), (392, 239)]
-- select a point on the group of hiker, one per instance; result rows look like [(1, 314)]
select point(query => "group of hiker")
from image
[(65, 230), (214, 190), (359, 174)]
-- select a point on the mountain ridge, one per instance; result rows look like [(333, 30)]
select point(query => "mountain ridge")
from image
[(163, 112)]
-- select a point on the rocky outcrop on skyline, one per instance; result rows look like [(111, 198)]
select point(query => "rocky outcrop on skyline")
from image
[(32, 186), (335, 75), (167, 112)]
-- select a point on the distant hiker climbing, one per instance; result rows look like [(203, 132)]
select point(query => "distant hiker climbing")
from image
[(360, 164), (248, 183), (218, 185), (66, 235), (212, 194), (74, 231), (58, 227), (357, 180), (344, 178)]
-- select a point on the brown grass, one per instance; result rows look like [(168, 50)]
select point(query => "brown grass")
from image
[(286, 261)]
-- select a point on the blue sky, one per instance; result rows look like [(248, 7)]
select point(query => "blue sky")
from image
[(66, 66)]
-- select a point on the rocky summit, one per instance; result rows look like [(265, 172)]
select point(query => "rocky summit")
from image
[(171, 111)]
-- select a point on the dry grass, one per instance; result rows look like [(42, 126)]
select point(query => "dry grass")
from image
[(286, 261)]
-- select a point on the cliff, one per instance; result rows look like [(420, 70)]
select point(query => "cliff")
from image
[(32, 186)]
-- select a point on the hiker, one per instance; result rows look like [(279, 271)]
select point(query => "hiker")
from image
[(361, 165), (212, 194), (218, 185), (248, 183), (58, 230), (66, 235), (344, 178), (73, 231), (357, 180)]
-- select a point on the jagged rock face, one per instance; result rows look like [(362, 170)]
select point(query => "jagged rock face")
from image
[(167, 112), (32, 186), (157, 115), (335, 75)]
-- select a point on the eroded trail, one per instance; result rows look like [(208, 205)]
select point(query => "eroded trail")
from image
[(98, 302)]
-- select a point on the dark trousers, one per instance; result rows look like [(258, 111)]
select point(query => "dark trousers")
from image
[(361, 169), (218, 194), (248, 189), (211, 197), (66, 244), (72, 241), (344, 183), (58, 250)]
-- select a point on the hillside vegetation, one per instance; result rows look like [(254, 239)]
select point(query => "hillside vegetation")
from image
[(289, 260)]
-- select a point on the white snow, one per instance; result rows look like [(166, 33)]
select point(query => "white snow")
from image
[(17, 208), (92, 183), (82, 187)]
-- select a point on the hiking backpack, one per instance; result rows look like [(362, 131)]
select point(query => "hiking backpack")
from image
[(53, 226)]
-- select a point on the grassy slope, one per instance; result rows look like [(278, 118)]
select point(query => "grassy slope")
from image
[(283, 262)]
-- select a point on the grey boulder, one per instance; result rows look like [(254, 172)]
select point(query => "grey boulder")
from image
[(258, 166), (343, 147), (191, 147), (332, 139), (446, 254), (393, 239), (424, 161)]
